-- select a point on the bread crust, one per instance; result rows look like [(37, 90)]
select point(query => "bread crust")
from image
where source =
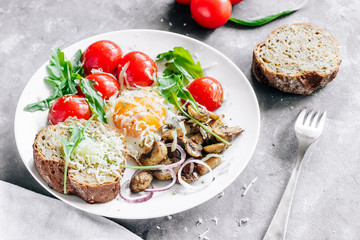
[(52, 171), (304, 83)]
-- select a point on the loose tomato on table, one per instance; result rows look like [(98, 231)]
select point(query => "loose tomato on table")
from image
[(139, 69), (207, 91), (211, 13), (107, 85), (104, 55), (69, 106)]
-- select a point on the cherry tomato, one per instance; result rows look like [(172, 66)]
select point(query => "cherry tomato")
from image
[(102, 54), (185, 2), (233, 2), (211, 13), (69, 106), (107, 85), (140, 69), (207, 91)]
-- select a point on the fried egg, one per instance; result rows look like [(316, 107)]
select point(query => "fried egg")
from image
[(138, 114)]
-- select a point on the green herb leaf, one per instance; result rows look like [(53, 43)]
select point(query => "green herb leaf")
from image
[(77, 135), (175, 83), (258, 21), (181, 61), (94, 99), (63, 79), (77, 64)]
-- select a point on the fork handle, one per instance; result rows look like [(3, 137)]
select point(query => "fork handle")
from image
[(278, 225)]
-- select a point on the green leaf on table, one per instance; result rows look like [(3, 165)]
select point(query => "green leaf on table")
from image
[(258, 21), (94, 99)]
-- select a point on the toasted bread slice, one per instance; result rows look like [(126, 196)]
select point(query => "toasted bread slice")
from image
[(297, 58), (92, 174)]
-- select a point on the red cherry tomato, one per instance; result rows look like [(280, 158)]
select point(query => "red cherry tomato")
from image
[(107, 85), (69, 106), (140, 69), (211, 13), (102, 54), (233, 2), (207, 91), (185, 2)]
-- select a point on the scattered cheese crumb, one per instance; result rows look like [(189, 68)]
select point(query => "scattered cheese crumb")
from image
[(170, 24), (169, 217), (215, 219), (248, 187), (221, 194), (200, 221), (158, 227), (162, 20), (184, 24), (202, 236), (242, 221)]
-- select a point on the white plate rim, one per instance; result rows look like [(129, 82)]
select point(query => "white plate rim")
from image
[(170, 212)]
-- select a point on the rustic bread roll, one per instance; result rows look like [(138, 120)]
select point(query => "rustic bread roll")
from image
[(297, 58), (92, 171)]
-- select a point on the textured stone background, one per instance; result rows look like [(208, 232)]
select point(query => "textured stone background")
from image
[(327, 200)]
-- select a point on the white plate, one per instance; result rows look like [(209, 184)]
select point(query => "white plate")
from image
[(240, 107)]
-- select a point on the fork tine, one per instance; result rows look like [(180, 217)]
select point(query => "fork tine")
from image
[(301, 117), (315, 120), (322, 121), (308, 118)]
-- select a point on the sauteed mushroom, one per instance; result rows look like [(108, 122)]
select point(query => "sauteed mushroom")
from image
[(189, 173), (157, 153), (193, 145), (215, 148), (201, 116), (224, 131), (141, 181), (212, 162)]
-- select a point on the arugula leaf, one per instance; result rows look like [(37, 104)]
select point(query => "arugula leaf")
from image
[(171, 82), (62, 79), (258, 21), (94, 99), (180, 61), (77, 135), (77, 64)]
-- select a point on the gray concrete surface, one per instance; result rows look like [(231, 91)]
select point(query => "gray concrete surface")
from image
[(327, 200)]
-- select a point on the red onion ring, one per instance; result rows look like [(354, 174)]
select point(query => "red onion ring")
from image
[(185, 184), (125, 186), (173, 174)]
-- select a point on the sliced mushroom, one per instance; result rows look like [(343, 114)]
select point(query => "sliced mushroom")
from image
[(211, 162), (213, 116), (193, 145), (201, 116), (215, 148), (189, 173), (164, 174), (141, 181), (168, 134), (224, 131), (157, 153)]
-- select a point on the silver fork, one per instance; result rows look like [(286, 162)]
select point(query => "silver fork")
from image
[(308, 128)]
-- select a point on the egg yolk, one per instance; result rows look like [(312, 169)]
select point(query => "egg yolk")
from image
[(136, 116)]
